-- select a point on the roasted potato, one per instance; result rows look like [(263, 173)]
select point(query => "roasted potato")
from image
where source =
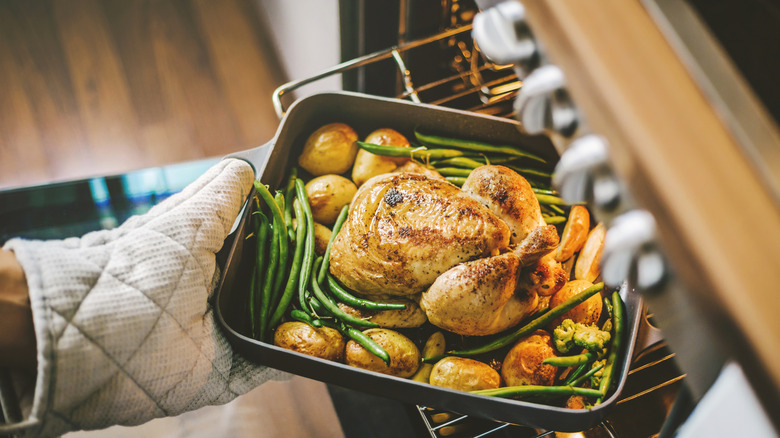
[(434, 346), (575, 233), (329, 149), (523, 363), (588, 266), (368, 165), (404, 354), (323, 342), (321, 238), (464, 374), (327, 195), (411, 316), (587, 312)]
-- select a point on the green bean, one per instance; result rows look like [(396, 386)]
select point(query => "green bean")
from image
[(300, 315), (308, 252), (462, 162), (284, 248), (545, 191), (278, 245), (550, 199), (295, 270), (418, 153), (537, 323), (453, 171), (367, 343), (289, 194), (263, 228), (334, 309), (569, 361), (576, 374), (534, 390), (334, 232), (529, 172), (475, 146), (341, 294), (617, 324), (555, 220), (594, 370), (456, 180)]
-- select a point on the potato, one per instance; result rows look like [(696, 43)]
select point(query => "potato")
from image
[(410, 317), (433, 347), (329, 149), (523, 363), (323, 342), (464, 374), (587, 312), (404, 354), (575, 232), (389, 137), (327, 195), (368, 165), (321, 238), (588, 266)]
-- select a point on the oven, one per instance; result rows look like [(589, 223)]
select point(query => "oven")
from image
[(576, 72)]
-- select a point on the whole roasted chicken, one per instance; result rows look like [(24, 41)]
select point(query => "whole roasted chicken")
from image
[(460, 251)]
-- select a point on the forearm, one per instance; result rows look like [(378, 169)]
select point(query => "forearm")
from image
[(17, 337)]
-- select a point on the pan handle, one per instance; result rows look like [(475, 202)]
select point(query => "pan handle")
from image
[(256, 157)]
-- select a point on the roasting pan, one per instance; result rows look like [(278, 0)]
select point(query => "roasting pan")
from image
[(366, 113)]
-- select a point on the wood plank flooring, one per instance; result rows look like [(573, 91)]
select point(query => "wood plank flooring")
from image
[(94, 87), (97, 87)]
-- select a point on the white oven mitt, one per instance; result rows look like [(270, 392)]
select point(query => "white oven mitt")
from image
[(124, 327)]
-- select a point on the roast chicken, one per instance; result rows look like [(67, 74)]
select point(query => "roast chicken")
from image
[(479, 297), (460, 251), (405, 229)]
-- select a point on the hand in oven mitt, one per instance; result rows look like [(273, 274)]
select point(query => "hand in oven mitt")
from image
[(125, 332)]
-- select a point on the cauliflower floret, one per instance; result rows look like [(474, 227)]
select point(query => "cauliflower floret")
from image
[(570, 334)]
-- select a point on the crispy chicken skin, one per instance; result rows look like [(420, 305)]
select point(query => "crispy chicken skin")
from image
[(479, 297), (406, 229), (509, 196)]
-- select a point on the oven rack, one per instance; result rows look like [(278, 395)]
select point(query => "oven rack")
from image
[(492, 86), (653, 378)]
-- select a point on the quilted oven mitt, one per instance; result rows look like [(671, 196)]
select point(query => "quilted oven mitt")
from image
[(123, 323)]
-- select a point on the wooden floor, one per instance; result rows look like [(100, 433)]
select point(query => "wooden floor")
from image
[(90, 87)]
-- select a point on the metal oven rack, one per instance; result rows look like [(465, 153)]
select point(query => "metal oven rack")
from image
[(476, 84)]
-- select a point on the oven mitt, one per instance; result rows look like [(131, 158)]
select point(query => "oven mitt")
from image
[(122, 317)]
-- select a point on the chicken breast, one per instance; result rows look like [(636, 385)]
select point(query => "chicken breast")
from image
[(404, 230), (479, 297), (509, 196)]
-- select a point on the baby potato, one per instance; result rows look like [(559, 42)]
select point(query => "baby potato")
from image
[(464, 374), (323, 342), (587, 312), (404, 354), (368, 165), (390, 137), (329, 149), (328, 194), (321, 238), (523, 363), (410, 317)]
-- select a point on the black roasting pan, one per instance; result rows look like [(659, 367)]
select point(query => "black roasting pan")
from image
[(366, 113)]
